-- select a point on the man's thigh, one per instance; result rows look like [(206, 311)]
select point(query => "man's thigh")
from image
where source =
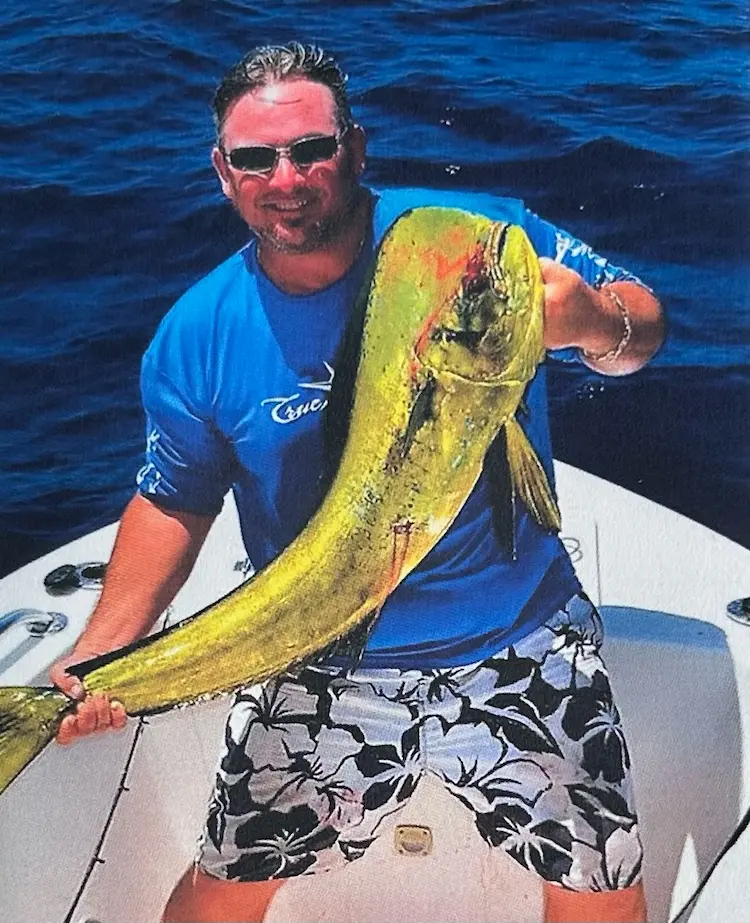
[(538, 753), (311, 766)]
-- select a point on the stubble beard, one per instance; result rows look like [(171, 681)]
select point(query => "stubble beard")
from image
[(318, 234)]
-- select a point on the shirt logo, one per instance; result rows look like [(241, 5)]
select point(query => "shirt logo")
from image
[(149, 471), (290, 409), (566, 246)]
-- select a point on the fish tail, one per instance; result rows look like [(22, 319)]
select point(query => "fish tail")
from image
[(29, 719)]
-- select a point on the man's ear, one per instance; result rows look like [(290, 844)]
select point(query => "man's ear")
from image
[(358, 148), (222, 171)]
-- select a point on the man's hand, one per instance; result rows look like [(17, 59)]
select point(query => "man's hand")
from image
[(131, 601), (94, 712), (577, 315)]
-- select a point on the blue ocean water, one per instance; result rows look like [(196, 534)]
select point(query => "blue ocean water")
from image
[(625, 122)]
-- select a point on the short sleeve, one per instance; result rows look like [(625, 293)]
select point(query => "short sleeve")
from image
[(187, 461), (559, 245)]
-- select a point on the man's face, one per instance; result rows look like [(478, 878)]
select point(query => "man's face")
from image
[(291, 208)]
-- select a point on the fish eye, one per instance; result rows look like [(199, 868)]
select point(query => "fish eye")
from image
[(476, 285)]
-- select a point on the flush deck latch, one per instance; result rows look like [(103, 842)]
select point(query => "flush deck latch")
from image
[(413, 840)]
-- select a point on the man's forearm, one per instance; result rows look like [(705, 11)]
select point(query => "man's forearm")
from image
[(632, 320), (617, 328), (153, 555)]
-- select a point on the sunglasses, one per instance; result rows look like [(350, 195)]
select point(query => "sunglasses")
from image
[(263, 158)]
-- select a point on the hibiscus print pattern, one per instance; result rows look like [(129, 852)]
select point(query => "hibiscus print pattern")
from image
[(529, 740)]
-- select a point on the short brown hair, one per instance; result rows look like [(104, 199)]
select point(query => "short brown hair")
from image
[(267, 63)]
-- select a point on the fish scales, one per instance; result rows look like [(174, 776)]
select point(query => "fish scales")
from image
[(452, 335)]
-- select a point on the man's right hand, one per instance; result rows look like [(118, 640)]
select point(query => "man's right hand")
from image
[(131, 602), (94, 712)]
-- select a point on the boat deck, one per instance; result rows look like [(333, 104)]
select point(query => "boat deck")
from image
[(101, 830)]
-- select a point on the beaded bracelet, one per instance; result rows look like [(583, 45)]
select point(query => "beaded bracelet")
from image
[(627, 332)]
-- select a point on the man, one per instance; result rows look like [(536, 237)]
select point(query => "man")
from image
[(472, 639)]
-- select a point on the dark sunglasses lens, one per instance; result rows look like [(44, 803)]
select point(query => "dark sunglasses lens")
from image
[(313, 150), (254, 159)]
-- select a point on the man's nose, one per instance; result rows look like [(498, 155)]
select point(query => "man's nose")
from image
[(285, 175)]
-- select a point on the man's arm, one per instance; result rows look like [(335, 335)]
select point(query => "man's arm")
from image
[(578, 315), (154, 553)]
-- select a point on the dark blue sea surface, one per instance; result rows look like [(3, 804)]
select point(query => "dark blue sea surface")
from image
[(625, 122)]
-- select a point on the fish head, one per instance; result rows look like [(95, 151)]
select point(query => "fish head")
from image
[(477, 292)]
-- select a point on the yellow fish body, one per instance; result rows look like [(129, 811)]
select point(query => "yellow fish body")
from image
[(452, 335)]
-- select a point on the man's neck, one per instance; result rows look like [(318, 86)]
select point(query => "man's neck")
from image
[(304, 273)]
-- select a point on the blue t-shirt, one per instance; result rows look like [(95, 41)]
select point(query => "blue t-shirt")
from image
[(234, 387)]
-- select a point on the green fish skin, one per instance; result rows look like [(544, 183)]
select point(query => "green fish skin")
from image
[(452, 335)]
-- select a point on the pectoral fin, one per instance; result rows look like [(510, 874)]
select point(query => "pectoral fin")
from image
[(529, 478)]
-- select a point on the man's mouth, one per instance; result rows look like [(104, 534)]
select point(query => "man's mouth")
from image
[(292, 205)]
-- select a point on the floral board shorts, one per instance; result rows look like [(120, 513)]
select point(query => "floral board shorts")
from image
[(529, 740)]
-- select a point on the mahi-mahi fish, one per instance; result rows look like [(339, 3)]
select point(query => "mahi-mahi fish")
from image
[(453, 332)]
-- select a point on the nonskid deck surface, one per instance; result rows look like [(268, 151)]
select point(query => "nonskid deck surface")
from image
[(103, 829)]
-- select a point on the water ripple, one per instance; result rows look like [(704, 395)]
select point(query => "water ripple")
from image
[(625, 122)]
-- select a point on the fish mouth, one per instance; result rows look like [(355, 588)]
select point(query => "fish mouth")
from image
[(494, 250)]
